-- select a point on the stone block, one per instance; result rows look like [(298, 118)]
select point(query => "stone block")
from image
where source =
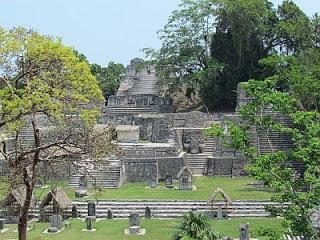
[(52, 230), (134, 230), (244, 231), (134, 219), (91, 208), (147, 213), (128, 134), (89, 222), (56, 221), (1, 224), (110, 214)]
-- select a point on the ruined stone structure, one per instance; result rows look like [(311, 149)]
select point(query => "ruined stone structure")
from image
[(158, 143)]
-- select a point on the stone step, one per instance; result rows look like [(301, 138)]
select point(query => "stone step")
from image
[(171, 208)]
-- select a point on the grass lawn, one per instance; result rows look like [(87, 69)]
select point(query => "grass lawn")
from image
[(236, 188), (156, 229)]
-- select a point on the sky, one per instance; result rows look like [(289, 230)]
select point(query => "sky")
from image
[(103, 30)]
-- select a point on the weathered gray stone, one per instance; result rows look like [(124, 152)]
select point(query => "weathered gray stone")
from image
[(2, 224), (110, 214), (153, 184), (168, 182), (52, 230), (134, 219), (89, 222), (74, 212), (134, 230), (56, 221), (147, 212), (91, 208), (83, 182), (219, 213), (128, 134), (244, 231)]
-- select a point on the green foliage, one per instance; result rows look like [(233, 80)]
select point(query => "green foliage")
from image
[(214, 130), (274, 168), (40, 74), (108, 77), (270, 233), (194, 226), (209, 46)]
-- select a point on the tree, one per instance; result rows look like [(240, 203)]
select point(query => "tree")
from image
[(209, 46), (293, 29), (41, 76), (194, 226), (108, 77), (300, 189)]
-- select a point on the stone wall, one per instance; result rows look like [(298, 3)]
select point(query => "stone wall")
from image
[(226, 166), (116, 119), (141, 101), (141, 170), (153, 127), (192, 119), (149, 150)]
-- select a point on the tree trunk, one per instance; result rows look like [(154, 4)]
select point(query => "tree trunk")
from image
[(23, 220)]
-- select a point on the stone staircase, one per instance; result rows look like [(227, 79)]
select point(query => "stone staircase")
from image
[(26, 138), (97, 174), (145, 85), (172, 208), (210, 145), (197, 163)]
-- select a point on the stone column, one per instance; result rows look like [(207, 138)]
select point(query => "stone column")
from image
[(89, 222), (147, 213), (110, 214), (91, 208), (74, 211), (1, 224), (244, 231)]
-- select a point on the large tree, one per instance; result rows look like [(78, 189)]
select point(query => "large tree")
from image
[(292, 89), (39, 76), (209, 46), (108, 77)]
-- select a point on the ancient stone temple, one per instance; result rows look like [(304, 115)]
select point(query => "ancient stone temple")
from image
[(157, 142)]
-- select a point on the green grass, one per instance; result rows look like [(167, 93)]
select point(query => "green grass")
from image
[(236, 188), (156, 229)]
